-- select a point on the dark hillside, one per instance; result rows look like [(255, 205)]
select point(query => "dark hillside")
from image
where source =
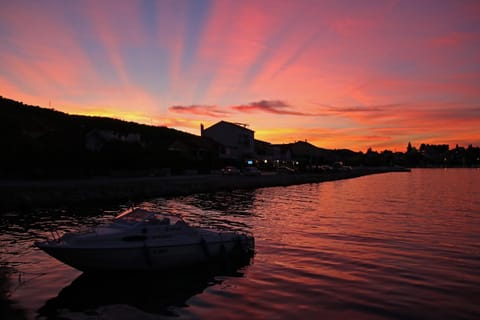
[(43, 143)]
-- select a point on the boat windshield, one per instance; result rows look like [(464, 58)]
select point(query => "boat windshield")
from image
[(136, 216)]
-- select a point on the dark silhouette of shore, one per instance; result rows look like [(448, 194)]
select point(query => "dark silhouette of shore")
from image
[(37, 193), (39, 143)]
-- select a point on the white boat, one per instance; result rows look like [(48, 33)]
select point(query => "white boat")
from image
[(144, 240)]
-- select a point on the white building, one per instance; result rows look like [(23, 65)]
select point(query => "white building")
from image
[(236, 139)]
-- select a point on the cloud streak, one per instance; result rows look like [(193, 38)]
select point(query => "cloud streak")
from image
[(210, 111), (277, 107)]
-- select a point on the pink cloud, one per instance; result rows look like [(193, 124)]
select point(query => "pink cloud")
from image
[(269, 106), (265, 106)]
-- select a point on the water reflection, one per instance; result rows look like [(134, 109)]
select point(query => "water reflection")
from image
[(161, 293), (238, 202), (393, 246)]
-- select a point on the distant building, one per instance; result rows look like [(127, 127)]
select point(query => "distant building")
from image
[(282, 152), (263, 150), (236, 140), (193, 148)]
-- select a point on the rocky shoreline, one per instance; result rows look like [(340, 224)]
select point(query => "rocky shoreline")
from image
[(16, 195)]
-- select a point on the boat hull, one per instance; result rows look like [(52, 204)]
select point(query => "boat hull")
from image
[(142, 257)]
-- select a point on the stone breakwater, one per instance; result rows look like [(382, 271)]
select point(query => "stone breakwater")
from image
[(28, 194)]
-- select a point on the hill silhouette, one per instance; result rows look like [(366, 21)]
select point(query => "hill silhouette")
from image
[(44, 143)]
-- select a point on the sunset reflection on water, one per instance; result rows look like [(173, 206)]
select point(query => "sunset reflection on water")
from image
[(389, 246)]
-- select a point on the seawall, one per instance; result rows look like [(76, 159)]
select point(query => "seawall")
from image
[(54, 193)]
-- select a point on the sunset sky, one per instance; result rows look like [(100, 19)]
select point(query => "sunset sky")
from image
[(339, 74)]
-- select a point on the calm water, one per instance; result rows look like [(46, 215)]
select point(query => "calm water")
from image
[(389, 246)]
